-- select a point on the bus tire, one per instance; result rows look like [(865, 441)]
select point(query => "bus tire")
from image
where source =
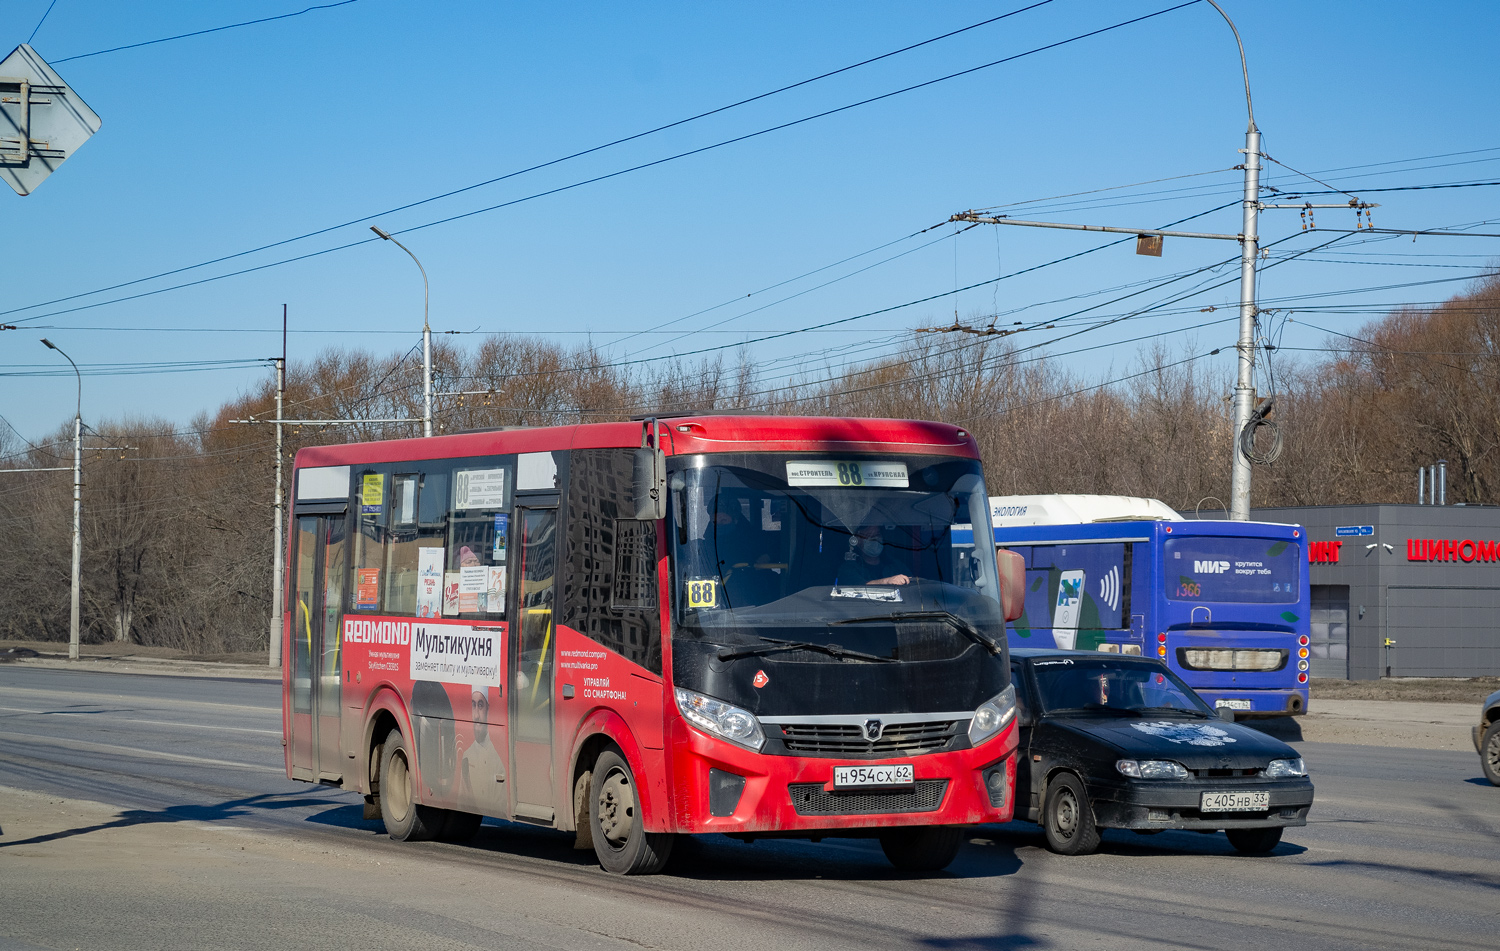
[(405, 819), (1068, 817), (922, 848), (459, 827), (621, 841), (1254, 841)]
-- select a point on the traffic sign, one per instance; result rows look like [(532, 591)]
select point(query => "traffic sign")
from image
[(42, 121)]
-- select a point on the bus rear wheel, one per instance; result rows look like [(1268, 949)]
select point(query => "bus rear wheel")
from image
[(922, 848), (405, 819), (621, 841)]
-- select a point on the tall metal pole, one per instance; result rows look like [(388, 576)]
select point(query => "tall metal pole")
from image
[(426, 336), (278, 563), (77, 508), (1244, 388)]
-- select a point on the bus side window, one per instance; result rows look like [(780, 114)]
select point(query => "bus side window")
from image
[(476, 569), (401, 546), (371, 500), (610, 587)]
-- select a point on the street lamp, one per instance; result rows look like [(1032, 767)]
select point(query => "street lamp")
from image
[(426, 336), (77, 503)]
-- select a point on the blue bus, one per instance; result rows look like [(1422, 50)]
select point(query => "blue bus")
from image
[(1224, 603)]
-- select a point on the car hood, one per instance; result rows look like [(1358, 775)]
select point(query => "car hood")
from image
[(1195, 743)]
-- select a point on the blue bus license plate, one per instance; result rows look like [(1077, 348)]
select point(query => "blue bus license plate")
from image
[(1248, 801), (852, 777)]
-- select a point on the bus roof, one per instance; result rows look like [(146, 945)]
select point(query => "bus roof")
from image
[(1017, 510), (683, 435)]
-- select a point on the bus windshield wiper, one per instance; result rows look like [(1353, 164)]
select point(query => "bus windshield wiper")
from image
[(773, 646), (964, 627)]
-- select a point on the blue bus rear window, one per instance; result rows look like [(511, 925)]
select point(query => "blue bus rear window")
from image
[(1247, 570)]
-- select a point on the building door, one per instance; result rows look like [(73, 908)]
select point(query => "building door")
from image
[(317, 607), (1330, 631), (533, 645)]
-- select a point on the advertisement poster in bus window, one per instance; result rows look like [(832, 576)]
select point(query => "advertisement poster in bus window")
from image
[(367, 591), (1075, 595), (1244, 570), (429, 582)]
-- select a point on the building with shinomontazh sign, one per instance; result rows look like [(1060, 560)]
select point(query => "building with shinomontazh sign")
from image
[(1401, 590)]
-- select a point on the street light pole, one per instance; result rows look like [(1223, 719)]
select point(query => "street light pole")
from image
[(426, 336), (278, 564), (77, 504), (1244, 388)]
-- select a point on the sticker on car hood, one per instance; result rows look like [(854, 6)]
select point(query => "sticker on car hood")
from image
[(1193, 734)]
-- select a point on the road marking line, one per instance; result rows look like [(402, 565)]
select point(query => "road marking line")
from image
[(86, 747), (161, 723)]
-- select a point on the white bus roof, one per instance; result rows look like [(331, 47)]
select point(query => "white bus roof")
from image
[(1013, 510)]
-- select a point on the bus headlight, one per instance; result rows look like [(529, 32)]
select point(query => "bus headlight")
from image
[(720, 719), (992, 716)]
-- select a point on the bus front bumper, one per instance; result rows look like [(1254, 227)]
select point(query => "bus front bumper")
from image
[(720, 787)]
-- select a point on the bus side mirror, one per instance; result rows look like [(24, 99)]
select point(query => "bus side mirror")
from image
[(1012, 582), (649, 485)]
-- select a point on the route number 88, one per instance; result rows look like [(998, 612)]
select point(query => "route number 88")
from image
[(849, 474), (703, 594)]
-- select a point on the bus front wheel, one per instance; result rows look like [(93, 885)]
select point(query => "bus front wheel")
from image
[(405, 819), (620, 838)]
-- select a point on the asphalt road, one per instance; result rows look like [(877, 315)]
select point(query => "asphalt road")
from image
[(205, 844)]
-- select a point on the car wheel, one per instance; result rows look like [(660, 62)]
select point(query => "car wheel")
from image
[(1490, 757), (1254, 841), (922, 848), (620, 839), (405, 819), (1068, 817)]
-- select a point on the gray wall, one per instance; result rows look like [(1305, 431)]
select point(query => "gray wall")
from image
[(1444, 616)]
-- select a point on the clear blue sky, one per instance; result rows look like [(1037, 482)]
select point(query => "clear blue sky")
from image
[(221, 143)]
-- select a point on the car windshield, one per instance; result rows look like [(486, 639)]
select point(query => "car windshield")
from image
[(858, 552), (1112, 687)]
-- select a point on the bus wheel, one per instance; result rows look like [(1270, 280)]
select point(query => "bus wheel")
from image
[(405, 819), (459, 826), (921, 848), (1254, 841), (621, 841), (1068, 818)]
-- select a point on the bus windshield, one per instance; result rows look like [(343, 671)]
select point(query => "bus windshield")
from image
[(852, 552), (1244, 570)]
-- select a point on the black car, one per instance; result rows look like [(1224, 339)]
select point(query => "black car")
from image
[(1119, 742), (1487, 737)]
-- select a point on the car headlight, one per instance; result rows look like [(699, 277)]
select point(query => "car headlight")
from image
[(1286, 768), (723, 720), (1151, 769), (992, 716)]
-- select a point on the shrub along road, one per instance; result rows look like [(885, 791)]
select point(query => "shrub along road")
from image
[(152, 812)]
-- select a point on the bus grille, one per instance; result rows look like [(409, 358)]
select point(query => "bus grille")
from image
[(845, 739), (1216, 658), (811, 799)]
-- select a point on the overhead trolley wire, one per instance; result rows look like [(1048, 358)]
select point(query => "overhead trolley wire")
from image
[(541, 165), (183, 36), (551, 191)]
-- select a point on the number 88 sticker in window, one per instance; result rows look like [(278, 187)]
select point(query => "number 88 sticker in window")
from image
[(702, 593)]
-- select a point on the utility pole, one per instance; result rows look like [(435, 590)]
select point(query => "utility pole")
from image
[(1244, 387), (77, 508), (278, 564)]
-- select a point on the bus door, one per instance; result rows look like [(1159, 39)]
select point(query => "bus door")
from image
[(317, 603), (533, 645)]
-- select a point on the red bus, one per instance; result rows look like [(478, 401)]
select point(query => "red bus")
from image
[(755, 626)]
